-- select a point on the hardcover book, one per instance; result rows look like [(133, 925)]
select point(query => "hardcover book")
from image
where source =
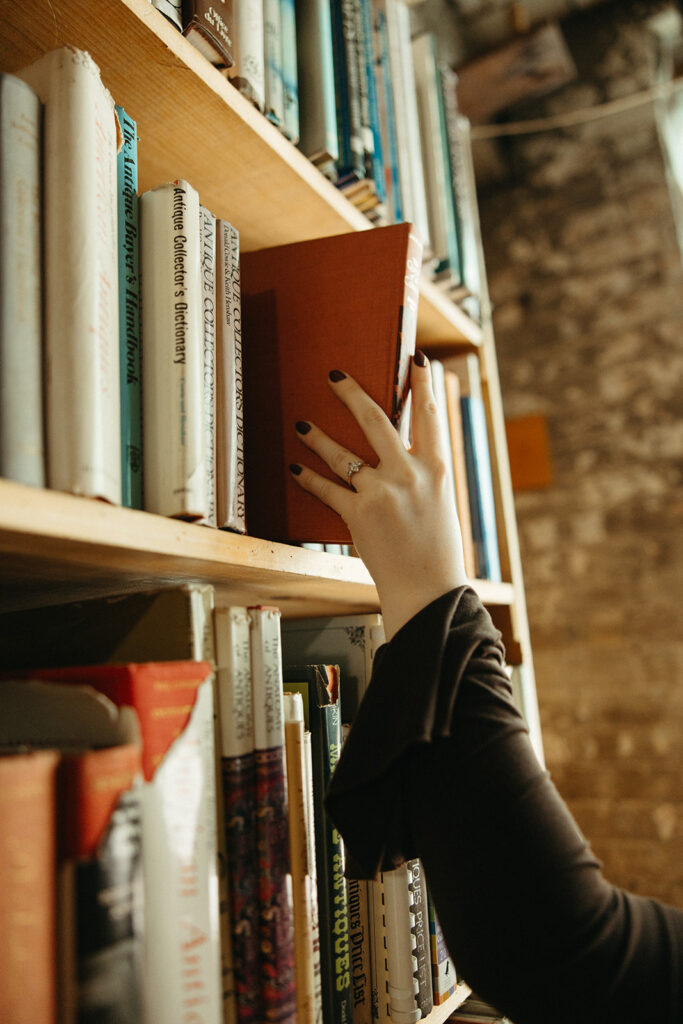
[(81, 291), (207, 275), (247, 72), (317, 108), (172, 365), (28, 979), (100, 900), (229, 381), (276, 922), (129, 312), (208, 26), (353, 299), (462, 495), (238, 781), (319, 688), (22, 447), (174, 705), (444, 976)]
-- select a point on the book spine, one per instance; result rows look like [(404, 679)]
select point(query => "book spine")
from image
[(379, 967), (129, 313), (387, 112), (272, 36), (278, 979), (100, 855), (22, 448), (444, 976), (359, 950), (174, 461), (377, 161), (352, 97), (429, 123), (248, 72), (81, 325), (407, 329), (480, 485), (452, 386), (361, 73), (303, 874), (233, 660), (317, 104), (27, 895), (207, 288), (230, 377), (208, 26), (313, 869), (290, 78), (171, 9), (420, 918)]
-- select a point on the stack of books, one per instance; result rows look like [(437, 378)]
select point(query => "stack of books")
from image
[(179, 752)]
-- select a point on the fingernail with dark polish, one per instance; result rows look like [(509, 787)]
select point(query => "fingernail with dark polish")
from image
[(294, 468), (337, 375), (420, 359), (302, 427)]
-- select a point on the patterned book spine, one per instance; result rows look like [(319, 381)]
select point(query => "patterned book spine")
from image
[(420, 921), (272, 36), (129, 313), (278, 980), (233, 660), (171, 9), (247, 72), (207, 288), (290, 78), (22, 448), (387, 113), (230, 382), (376, 168), (444, 976)]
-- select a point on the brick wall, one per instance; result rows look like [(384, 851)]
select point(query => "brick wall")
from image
[(587, 284)]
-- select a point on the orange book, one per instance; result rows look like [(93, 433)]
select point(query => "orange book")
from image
[(348, 303), (462, 496), (27, 893)]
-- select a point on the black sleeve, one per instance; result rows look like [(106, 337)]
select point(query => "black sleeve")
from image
[(438, 765)]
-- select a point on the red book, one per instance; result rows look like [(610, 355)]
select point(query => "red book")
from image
[(347, 303), (27, 893)]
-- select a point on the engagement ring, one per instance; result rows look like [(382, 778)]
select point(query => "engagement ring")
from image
[(352, 468)]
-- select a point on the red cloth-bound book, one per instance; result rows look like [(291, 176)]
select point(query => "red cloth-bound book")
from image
[(349, 303)]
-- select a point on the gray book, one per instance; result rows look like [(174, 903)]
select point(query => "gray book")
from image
[(22, 450)]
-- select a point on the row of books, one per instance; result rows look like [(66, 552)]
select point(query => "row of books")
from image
[(163, 822), (371, 106), (151, 325)]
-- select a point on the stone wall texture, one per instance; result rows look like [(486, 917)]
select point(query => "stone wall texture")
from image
[(587, 284)]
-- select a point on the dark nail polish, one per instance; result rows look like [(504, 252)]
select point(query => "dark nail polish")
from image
[(294, 468), (420, 359), (337, 375), (302, 427)]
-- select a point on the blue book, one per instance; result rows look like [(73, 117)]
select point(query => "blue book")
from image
[(129, 313), (480, 485), (377, 162), (384, 84), (317, 105)]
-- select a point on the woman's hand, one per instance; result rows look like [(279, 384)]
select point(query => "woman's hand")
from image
[(401, 514)]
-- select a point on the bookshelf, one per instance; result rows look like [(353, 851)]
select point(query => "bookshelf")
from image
[(57, 547)]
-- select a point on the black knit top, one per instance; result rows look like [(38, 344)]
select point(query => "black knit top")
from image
[(438, 765)]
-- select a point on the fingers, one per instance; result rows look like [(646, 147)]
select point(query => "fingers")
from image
[(330, 493), (372, 420), (337, 457), (425, 420)]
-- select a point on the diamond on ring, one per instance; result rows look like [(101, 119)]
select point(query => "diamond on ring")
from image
[(352, 468)]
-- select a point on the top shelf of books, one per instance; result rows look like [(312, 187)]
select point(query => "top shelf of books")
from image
[(194, 124)]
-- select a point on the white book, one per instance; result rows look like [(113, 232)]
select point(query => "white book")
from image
[(407, 944), (230, 382), (427, 85), (22, 449), (317, 106), (172, 349), (288, 64), (439, 388), (247, 71), (272, 42), (207, 287), (411, 174), (81, 275)]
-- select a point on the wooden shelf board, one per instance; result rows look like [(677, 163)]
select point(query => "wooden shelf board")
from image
[(58, 547), (194, 124), (443, 1012)]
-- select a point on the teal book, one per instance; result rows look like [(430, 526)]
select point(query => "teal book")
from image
[(319, 688), (317, 102), (129, 312), (290, 75)]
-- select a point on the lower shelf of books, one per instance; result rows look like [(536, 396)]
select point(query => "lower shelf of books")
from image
[(57, 547)]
